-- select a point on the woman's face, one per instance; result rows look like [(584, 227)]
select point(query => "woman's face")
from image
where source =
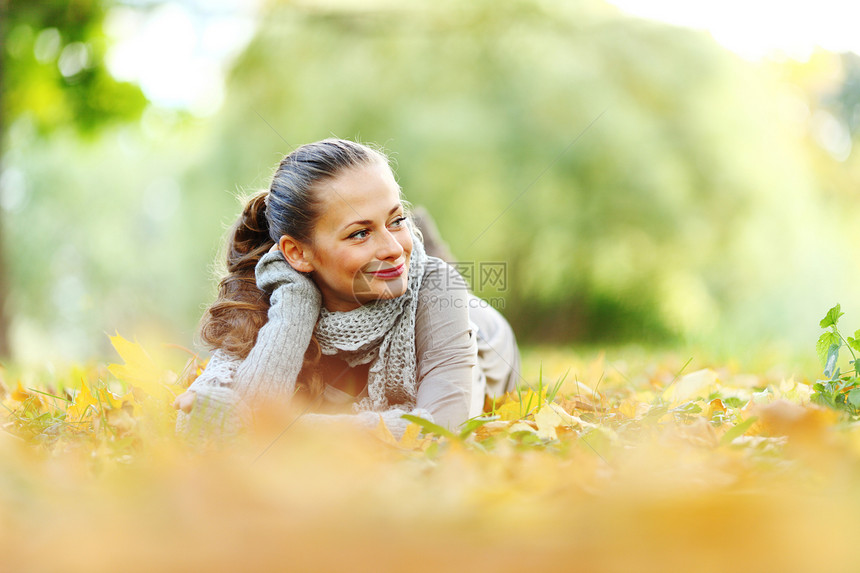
[(361, 244)]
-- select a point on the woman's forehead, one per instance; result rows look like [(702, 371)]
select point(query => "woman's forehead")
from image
[(360, 193)]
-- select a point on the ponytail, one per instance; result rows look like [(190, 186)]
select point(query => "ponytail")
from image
[(233, 320)]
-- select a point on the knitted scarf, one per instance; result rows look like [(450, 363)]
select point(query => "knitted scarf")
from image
[(381, 332)]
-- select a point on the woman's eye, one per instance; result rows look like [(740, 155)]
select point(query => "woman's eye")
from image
[(363, 233)]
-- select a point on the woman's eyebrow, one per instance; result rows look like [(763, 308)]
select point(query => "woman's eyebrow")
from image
[(368, 221)]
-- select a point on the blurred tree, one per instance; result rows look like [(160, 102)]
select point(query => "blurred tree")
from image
[(53, 76)]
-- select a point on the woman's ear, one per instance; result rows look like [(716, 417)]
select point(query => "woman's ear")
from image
[(296, 254)]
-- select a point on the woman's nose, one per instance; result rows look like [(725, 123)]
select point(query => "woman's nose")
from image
[(390, 247)]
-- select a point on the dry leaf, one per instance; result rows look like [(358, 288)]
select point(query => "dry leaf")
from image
[(140, 371), (693, 385)]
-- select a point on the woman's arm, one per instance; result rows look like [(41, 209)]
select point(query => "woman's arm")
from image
[(210, 405), (272, 367), (445, 346)]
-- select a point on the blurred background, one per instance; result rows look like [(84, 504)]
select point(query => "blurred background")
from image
[(643, 171)]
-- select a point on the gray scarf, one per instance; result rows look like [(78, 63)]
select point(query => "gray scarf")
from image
[(381, 332)]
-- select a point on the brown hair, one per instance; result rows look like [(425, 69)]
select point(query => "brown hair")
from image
[(289, 207)]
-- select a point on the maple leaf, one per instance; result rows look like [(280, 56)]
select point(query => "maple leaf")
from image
[(409, 439), (382, 432), (82, 408), (108, 399), (509, 411), (140, 370)]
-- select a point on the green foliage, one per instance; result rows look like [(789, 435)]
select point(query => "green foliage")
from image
[(832, 317), (839, 391), (428, 426), (737, 431), (53, 63)]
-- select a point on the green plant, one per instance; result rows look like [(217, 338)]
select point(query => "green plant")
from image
[(838, 390)]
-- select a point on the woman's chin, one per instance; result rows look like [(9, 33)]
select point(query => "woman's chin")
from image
[(388, 290)]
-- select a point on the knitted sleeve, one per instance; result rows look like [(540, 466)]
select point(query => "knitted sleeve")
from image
[(272, 367), (217, 409), (229, 387)]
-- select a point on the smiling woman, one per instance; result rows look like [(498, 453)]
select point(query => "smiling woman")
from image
[(331, 297)]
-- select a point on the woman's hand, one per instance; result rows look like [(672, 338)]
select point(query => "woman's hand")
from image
[(185, 401), (273, 272)]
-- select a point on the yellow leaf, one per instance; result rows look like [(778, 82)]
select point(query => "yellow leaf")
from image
[(509, 411), (108, 399), (521, 427), (693, 385), (547, 420), (715, 406), (383, 433), (81, 410), (20, 394), (139, 370), (629, 409), (570, 420), (495, 427), (409, 440)]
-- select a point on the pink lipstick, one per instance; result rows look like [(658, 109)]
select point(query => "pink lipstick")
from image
[(391, 273)]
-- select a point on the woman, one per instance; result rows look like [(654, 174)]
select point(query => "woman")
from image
[(330, 294)]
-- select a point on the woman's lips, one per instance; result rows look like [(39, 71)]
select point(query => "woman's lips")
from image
[(391, 273)]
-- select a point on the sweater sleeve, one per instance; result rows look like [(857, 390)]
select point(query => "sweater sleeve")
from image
[(445, 346), (218, 410), (272, 367), (229, 388)]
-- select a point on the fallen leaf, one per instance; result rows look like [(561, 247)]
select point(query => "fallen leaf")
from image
[(510, 411), (409, 440), (140, 371), (693, 385), (547, 421), (84, 406), (383, 433)]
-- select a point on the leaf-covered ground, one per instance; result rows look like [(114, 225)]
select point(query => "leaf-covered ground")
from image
[(606, 463)]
